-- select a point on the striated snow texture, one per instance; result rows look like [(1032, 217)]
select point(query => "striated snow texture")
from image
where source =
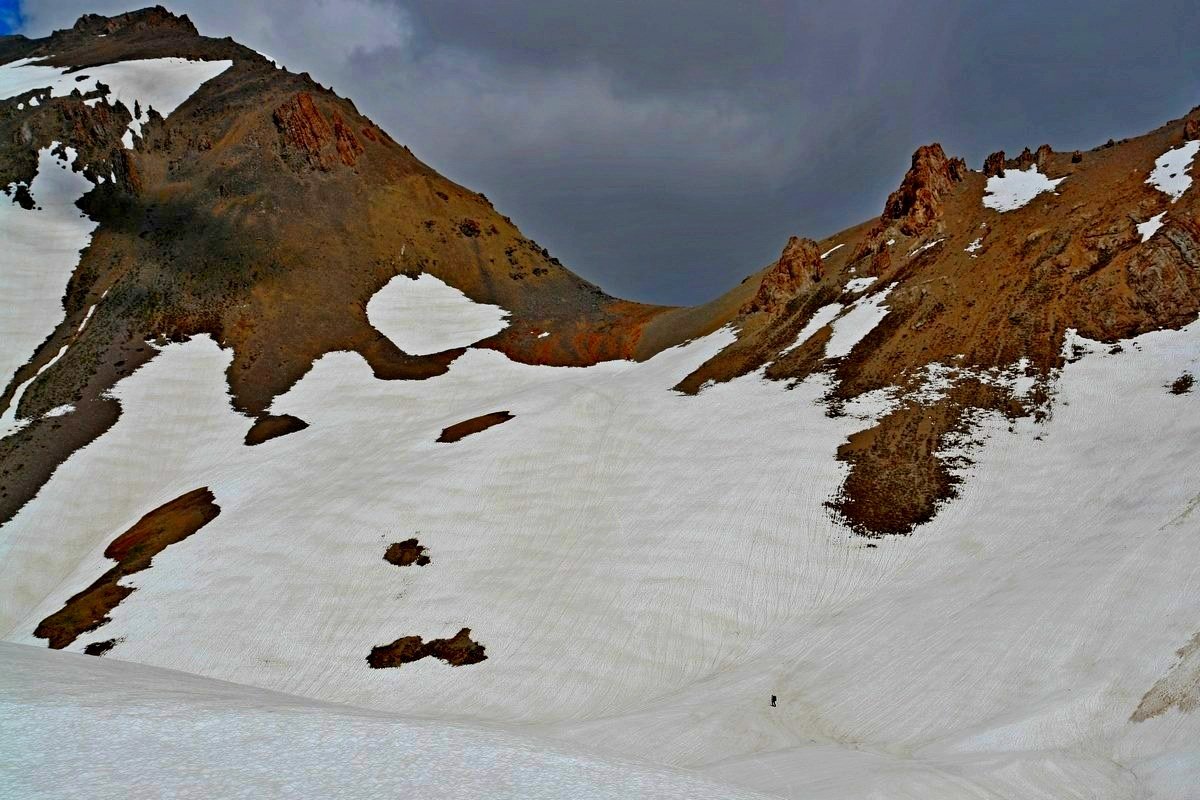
[(78, 727), (1171, 173), (1017, 188), (426, 316)]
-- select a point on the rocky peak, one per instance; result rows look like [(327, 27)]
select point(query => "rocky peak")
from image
[(799, 265), (143, 19), (993, 165), (917, 203)]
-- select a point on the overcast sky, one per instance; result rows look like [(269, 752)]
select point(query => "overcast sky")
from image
[(667, 148)]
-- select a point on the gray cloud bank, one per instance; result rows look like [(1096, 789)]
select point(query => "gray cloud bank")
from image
[(665, 149)]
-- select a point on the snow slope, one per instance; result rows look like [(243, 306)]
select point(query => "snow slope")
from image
[(41, 249), (646, 568), (72, 726)]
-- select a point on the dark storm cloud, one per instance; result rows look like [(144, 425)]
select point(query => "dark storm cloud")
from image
[(666, 148)]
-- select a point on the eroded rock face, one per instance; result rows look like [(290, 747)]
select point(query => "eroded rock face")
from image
[(993, 165), (917, 203), (305, 131), (1191, 129), (156, 17), (798, 266), (1165, 277)]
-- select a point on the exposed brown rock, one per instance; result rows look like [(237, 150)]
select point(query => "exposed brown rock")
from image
[(456, 651), (1191, 128), (917, 203), (147, 18), (1183, 384), (273, 426), (348, 146), (133, 551), (99, 648), (1076, 157), (993, 165), (461, 430), (304, 129), (798, 267), (406, 553)]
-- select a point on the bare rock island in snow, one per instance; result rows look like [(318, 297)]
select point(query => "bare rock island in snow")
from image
[(910, 511)]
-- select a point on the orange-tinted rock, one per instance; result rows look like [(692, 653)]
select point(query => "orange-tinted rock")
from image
[(917, 203), (993, 165), (304, 128), (1191, 129), (798, 266), (348, 146)]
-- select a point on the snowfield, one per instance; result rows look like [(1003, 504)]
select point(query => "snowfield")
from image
[(1017, 188), (645, 569), (71, 722)]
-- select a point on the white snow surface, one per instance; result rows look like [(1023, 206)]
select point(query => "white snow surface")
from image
[(426, 316), (832, 250), (859, 319), (974, 247), (822, 317), (1172, 170), (41, 249), (1151, 226), (1017, 188), (997, 652), (858, 284), (159, 83), (67, 720)]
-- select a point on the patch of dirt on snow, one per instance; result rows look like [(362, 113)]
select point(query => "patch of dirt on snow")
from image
[(461, 430), (1179, 688), (406, 553), (456, 651), (133, 551), (273, 426)]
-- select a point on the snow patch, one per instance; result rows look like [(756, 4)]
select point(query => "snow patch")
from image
[(858, 284), (1017, 188), (426, 316), (861, 318), (1171, 170), (832, 250), (823, 316), (1151, 226), (925, 247), (974, 247)]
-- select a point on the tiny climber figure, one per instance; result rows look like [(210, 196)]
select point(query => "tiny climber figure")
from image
[(772, 701)]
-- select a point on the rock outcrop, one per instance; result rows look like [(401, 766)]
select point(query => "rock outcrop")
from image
[(917, 203), (798, 266), (305, 131), (993, 165)]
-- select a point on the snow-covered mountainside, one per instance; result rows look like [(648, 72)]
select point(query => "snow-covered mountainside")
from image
[(910, 512)]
